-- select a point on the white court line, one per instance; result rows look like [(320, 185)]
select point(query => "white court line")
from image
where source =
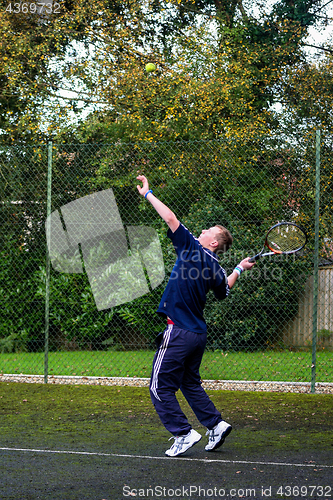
[(206, 460)]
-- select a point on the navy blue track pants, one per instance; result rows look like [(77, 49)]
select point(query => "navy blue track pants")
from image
[(176, 366)]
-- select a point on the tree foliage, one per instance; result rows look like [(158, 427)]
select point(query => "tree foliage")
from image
[(220, 67)]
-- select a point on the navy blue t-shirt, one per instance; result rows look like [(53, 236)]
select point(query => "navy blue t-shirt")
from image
[(195, 272)]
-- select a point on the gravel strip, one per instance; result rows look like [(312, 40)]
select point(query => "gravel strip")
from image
[(224, 385)]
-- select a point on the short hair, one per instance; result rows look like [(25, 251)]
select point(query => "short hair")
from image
[(224, 239)]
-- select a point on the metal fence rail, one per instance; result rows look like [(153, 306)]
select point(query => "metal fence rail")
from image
[(86, 305)]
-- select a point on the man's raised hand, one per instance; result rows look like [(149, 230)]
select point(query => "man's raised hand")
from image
[(145, 186)]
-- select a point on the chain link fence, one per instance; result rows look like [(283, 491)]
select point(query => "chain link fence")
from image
[(87, 306)]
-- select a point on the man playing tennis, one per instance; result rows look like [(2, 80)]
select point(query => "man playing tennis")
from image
[(181, 346)]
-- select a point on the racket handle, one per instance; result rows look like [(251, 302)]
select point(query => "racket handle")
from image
[(255, 258)]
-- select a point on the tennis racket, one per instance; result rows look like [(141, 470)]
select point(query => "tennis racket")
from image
[(283, 238)]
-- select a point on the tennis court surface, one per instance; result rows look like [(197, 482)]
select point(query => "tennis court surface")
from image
[(78, 442)]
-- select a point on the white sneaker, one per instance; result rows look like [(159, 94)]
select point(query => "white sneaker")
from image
[(183, 443), (217, 435)]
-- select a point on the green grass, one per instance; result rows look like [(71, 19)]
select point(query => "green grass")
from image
[(268, 365), (49, 412), (122, 422)]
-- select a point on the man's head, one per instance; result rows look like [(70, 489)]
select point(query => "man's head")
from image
[(217, 239)]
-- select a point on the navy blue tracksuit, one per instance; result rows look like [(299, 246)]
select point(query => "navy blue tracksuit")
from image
[(181, 346)]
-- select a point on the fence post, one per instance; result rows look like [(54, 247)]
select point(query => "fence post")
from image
[(315, 267), (47, 277)]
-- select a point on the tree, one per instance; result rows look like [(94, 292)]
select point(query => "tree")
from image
[(308, 103), (219, 66), (27, 45), (34, 56)]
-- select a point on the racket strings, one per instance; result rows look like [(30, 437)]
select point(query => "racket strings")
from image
[(285, 238)]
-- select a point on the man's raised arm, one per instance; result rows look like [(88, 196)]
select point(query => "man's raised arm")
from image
[(167, 215)]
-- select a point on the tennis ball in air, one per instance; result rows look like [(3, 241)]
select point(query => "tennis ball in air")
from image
[(150, 67)]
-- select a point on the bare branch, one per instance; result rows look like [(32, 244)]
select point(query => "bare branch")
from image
[(319, 48), (208, 14), (323, 6)]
